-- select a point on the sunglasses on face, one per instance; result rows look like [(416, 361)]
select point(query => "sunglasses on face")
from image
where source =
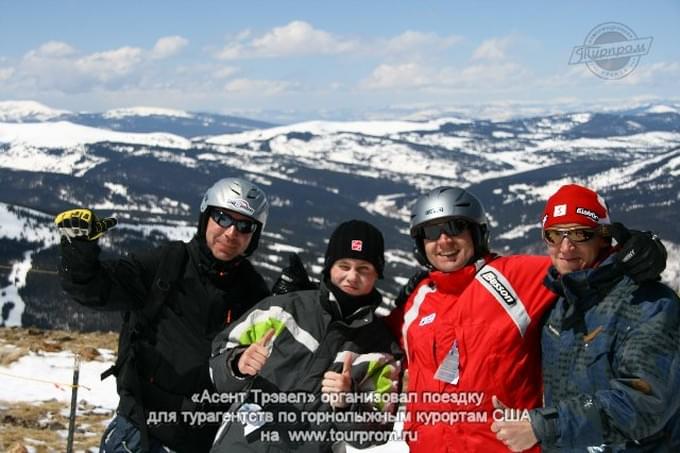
[(452, 227), (555, 236), (225, 221)]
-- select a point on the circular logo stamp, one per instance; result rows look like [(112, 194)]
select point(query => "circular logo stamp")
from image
[(611, 50)]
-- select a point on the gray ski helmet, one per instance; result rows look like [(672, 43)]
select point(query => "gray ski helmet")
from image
[(449, 202), (238, 195)]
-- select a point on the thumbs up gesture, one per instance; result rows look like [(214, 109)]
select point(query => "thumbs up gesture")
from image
[(517, 434), (337, 385), (255, 356), (83, 223)]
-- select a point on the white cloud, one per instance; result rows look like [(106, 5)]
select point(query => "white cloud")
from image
[(301, 38), (168, 46), (415, 40), (110, 64), (571, 76), (655, 73), (225, 72), (257, 87), (51, 49), (56, 66), (499, 75), (294, 39), (396, 76), (6, 73), (492, 49)]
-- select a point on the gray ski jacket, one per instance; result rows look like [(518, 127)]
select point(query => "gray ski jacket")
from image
[(282, 408)]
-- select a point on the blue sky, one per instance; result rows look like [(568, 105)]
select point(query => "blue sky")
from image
[(315, 59)]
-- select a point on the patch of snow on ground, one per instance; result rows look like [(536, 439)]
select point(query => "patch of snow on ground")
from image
[(671, 276), (386, 206), (278, 247), (401, 257), (56, 368), (519, 231), (375, 128), (74, 160), (26, 227), (172, 232)]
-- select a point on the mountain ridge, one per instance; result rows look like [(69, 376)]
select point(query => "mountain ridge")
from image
[(317, 174)]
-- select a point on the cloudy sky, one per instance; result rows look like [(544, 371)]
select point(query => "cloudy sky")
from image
[(321, 59)]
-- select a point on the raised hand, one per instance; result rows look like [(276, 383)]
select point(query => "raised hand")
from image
[(294, 277), (642, 255), (255, 356), (337, 385), (82, 224), (517, 433)]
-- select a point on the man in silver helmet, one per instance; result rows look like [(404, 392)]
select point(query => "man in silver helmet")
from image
[(174, 300), (471, 327)]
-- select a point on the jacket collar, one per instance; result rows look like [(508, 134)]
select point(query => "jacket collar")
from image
[(455, 282), (587, 287), (360, 316), (217, 271)]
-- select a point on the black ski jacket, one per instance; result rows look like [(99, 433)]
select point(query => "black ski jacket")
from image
[(163, 354)]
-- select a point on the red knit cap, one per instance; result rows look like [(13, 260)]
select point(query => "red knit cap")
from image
[(575, 204)]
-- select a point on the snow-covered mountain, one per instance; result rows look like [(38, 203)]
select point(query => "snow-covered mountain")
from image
[(133, 119), (28, 111), (319, 173)]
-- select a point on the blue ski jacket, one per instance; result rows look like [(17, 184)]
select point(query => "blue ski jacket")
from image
[(611, 364)]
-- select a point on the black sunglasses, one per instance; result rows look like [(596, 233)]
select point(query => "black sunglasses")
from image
[(575, 235), (224, 220), (452, 227)]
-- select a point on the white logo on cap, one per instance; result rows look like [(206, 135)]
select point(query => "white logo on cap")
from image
[(357, 245), (560, 210), (588, 213)]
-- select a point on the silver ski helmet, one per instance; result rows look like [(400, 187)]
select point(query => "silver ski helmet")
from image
[(238, 195), (444, 203)]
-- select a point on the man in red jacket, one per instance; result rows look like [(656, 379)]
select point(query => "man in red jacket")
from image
[(471, 328)]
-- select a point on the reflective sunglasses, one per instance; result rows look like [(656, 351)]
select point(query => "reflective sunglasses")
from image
[(575, 235), (452, 227), (225, 221)]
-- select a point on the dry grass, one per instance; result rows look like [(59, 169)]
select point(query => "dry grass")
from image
[(44, 426), (16, 342)]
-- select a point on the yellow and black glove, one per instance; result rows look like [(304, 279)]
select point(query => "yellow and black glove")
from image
[(82, 224)]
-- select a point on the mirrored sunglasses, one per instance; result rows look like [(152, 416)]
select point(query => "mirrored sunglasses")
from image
[(575, 235), (452, 227), (224, 220)]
